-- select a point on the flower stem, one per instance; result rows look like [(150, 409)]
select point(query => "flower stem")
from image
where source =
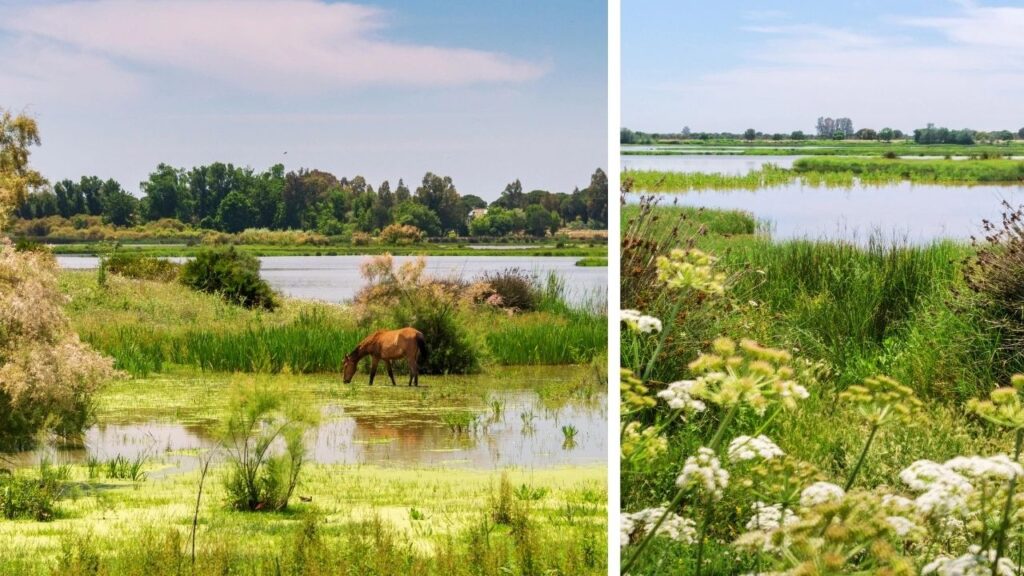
[(680, 494), (860, 460), (669, 324), (1004, 524)]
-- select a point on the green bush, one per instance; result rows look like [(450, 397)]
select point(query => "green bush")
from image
[(141, 267), (230, 273), (448, 348), (260, 477), (29, 497)]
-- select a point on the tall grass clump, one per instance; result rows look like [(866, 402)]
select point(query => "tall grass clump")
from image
[(141, 267), (262, 474), (995, 276), (233, 275), (575, 337)]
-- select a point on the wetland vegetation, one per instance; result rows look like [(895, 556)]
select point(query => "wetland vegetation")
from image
[(802, 404)]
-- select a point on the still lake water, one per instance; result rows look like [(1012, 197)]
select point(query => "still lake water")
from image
[(917, 213), (337, 278)]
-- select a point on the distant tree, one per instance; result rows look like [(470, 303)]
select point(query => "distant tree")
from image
[(885, 134), (402, 192), (626, 136), (473, 202), (512, 196), (1003, 135), (167, 195), (839, 135), (749, 134), (235, 213), (418, 215), (797, 135), (91, 190), (897, 134), (825, 127), (69, 198), (439, 194), (685, 132), (119, 207), (845, 125), (1020, 133), (17, 134), (866, 134), (539, 220)]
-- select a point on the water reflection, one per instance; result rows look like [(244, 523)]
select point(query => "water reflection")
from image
[(360, 435), (916, 213)]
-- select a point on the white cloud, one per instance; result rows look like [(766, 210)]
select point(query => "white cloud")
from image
[(969, 73), (269, 46)]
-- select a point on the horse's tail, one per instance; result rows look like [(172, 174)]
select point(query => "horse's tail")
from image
[(421, 343)]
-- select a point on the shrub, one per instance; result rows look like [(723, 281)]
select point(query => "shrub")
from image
[(141, 267), (516, 288), (401, 234), (260, 479), (360, 239), (47, 376), (996, 276), (31, 498), (409, 298), (230, 273)]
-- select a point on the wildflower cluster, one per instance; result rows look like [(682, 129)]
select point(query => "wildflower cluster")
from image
[(704, 471), (680, 396), (633, 525), (881, 399), (640, 442), (691, 269), (747, 373), (1004, 407), (756, 448), (639, 322)]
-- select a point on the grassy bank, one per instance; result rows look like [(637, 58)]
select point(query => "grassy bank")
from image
[(426, 249), (844, 313), (838, 172), (149, 325), (823, 148)]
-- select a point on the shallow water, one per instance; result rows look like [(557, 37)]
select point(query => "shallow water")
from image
[(337, 278), (381, 425), (724, 164), (917, 213)]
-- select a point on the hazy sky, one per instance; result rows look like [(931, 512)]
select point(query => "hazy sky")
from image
[(778, 65), (484, 92)]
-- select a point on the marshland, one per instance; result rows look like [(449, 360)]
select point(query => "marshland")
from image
[(820, 356), (188, 414)]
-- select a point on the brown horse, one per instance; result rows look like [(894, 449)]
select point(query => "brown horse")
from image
[(388, 345)]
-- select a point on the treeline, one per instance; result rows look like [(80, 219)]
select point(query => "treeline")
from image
[(228, 198), (832, 129)]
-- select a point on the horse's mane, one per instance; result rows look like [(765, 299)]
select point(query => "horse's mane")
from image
[(359, 347)]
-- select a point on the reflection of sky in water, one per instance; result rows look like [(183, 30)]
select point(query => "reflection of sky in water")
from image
[(337, 278), (917, 213), (350, 438), (695, 163)]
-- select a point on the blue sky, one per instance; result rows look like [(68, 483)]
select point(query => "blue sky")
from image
[(778, 65), (485, 92)]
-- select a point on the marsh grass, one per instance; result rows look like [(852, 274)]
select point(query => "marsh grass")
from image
[(840, 172)]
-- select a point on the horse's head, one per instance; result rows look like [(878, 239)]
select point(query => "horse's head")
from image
[(350, 367)]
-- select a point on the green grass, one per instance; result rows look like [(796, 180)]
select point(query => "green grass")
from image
[(427, 249), (592, 261), (847, 311), (357, 520), (823, 148), (832, 172), (148, 326)]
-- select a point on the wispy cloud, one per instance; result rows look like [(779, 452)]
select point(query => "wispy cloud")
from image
[(268, 46), (969, 71)]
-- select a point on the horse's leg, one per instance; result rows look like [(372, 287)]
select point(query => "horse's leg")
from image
[(373, 369), (414, 367), (391, 373)]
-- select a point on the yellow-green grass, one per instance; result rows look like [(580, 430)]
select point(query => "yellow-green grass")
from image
[(147, 324), (115, 516)]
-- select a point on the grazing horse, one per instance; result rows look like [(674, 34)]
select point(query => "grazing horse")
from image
[(388, 345)]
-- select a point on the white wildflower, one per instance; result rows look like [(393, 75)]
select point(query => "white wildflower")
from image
[(901, 525), (706, 472), (679, 396), (944, 491), (749, 448), (821, 493), (998, 467), (770, 517), (924, 474), (675, 527), (897, 503), (641, 322), (974, 563)]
